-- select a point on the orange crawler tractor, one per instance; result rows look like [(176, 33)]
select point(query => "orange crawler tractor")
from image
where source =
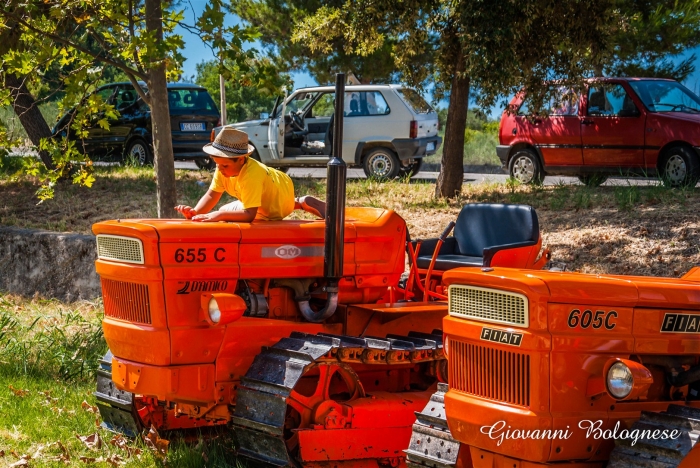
[(565, 369), (290, 332)]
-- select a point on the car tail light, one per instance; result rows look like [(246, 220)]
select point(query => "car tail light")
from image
[(212, 135), (414, 129)]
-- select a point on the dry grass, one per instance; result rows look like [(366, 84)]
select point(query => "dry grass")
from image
[(642, 230)]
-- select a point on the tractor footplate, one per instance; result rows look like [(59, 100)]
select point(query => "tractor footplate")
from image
[(432, 444), (116, 406), (267, 392), (658, 453)]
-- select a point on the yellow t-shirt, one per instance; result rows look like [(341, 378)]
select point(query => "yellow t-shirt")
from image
[(266, 188)]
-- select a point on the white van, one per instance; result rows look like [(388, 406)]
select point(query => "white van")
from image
[(387, 130)]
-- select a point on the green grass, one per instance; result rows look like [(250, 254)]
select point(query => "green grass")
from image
[(48, 356), (480, 148), (14, 128)]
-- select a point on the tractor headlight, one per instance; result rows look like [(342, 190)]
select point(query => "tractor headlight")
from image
[(214, 311), (219, 309), (620, 380)]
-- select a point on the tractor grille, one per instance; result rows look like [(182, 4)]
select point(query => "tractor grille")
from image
[(489, 373), (126, 301), (488, 305), (119, 248)]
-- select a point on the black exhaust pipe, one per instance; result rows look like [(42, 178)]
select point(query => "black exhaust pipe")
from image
[(336, 174)]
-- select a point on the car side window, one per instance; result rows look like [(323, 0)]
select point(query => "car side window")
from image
[(106, 94), (364, 103), (124, 98), (324, 106), (563, 102), (610, 100)]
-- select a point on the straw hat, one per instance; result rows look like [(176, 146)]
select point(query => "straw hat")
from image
[(229, 143)]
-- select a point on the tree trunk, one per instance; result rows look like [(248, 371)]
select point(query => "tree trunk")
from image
[(29, 115), (23, 103), (160, 118), (449, 182)]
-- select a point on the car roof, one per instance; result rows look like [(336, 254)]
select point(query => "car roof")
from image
[(350, 88), (628, 78)]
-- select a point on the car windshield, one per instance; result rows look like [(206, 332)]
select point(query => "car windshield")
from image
[(299, 101), (666, 96), (415, 100), (190, 99)]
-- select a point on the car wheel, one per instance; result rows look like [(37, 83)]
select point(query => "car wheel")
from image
[(381, 163), (138, 152), (207, 164), (525, 167), (411, 170), (680, 167), (592, 180)]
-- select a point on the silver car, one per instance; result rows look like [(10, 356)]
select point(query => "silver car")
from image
[(387, 130)]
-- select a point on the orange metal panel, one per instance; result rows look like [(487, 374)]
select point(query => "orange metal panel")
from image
[(468, 414), (190, 384), (353, 444), (182, 230), (650, 339), (596, 328), (143, 343), (669, 293), (486, 459), (199, 260)]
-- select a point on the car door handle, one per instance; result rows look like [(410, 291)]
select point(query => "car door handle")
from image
[(587, 122)]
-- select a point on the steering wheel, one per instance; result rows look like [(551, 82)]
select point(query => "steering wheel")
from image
[(297, 121)]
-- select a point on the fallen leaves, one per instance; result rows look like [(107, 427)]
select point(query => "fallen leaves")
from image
[(93, 441), (158, 446), (89, 408), (18, 392)]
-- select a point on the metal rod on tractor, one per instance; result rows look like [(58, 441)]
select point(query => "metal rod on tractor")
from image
[(336, 174)]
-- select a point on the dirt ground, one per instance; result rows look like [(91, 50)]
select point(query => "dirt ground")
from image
[(629, 229)]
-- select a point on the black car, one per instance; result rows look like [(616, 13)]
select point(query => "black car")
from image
[(193, 115)]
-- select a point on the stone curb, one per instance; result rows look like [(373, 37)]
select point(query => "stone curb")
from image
[(48, 264), (468, 168)]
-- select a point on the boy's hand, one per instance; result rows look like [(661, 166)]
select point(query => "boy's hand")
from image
[(209, 217), (186, 211)]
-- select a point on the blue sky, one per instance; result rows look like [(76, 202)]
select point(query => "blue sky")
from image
[(195, 52)]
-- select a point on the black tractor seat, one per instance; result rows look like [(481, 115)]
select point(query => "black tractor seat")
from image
[(482, 230)]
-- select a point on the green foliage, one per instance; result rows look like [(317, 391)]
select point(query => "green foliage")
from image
[(68, 48), (275, 21), (242, 102), (649, 32)]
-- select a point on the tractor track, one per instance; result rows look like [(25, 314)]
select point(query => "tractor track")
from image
[(116, 406), (432, 444), (659, 453), (261, 407)]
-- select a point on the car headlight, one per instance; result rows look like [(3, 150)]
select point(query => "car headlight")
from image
[(620, 380), (214, 311)]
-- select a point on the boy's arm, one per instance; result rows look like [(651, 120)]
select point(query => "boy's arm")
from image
[(204, 205), (242, 216)]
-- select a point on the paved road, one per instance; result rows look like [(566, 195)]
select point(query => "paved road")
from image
[(353, 173)]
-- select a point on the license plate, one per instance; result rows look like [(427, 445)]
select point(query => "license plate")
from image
[(430, 146), (192, 126)]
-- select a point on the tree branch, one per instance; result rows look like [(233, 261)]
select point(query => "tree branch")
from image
[(126, 69)]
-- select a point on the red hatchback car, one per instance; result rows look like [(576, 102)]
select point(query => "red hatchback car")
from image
[(619, 126)]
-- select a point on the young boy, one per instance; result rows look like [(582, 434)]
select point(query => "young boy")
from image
[(263, 193)]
